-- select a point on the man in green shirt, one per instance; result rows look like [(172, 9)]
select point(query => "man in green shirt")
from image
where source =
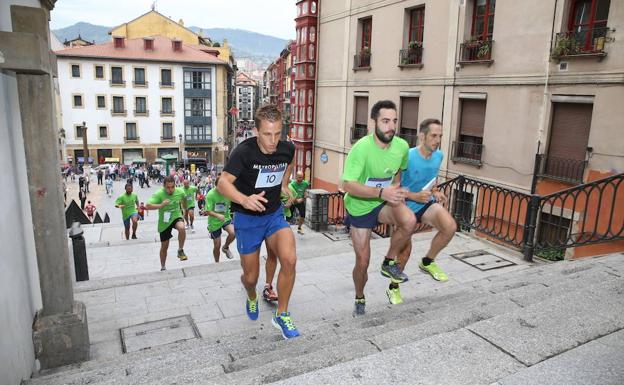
[(299, 186), (218, 210), (128, 202), (189, 214), (371, 179), (167, 201)]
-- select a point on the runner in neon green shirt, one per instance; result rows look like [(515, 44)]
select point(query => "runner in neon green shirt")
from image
[(371, 178), (168, 201), (190, 192), (219, 218), (128, 203), (299, 187)]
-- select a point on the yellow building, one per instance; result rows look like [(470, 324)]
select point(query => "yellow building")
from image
[(154, 23)]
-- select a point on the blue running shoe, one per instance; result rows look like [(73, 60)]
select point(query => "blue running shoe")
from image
[(251, 305), (284, 323)]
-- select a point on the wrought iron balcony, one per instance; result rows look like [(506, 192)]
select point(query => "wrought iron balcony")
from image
[(167, 112), (117, 83), (166, 84), (476, 51), (139, 83), (167, 138), (358, 132), (586, 42), (467, 152), (411, 57), (131, 139), (141, 112), (410, 138), (115, 112), (362, 60), (563, 169)]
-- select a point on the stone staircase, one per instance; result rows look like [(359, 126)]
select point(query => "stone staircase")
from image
[(476, 332)]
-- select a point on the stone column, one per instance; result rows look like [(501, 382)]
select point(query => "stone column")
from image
[(60, 331)]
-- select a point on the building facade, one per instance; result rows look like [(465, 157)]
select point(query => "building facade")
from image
[(508, 81), (140, 99)]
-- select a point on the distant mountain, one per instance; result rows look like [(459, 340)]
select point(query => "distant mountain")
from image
[(248, 44), (89, 32)]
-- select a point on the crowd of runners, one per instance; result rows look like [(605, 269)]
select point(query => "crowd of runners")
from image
[(252, 200)]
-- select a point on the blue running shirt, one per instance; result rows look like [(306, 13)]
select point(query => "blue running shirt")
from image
[(419, 172)]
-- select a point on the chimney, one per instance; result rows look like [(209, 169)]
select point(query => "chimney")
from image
[(176, 45), (119, 41), (148, 43)]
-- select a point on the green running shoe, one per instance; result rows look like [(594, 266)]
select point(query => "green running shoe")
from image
[(434, 270), (394, 295)]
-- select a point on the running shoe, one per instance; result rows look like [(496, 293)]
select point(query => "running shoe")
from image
[(227, 252), (300, 230), (434, 270), (394, 296), (192, 229), (162, 268), (284, 323), (393, 271), (251, 306), (182, 256), (360, 307), (269, 294), (134, 236)]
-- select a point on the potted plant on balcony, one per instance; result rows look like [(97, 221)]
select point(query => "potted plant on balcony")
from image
[(566, 45)]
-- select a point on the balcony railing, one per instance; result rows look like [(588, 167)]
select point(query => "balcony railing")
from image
[(115, 112), (476, 51), (131, 139), (566, 170), (141, 112), (358, 132), (411, 57), (362, 60), (167, 112), (140, 83), (467, 152), (586, 42), (166, 84), (119, 83), (167, 138), (198, 140), (410, 138)]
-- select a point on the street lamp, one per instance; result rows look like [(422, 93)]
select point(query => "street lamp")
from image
[(180, 149), (85, 148)]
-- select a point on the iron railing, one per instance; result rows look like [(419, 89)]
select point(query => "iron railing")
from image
[(410, 56), (410, 137), (467, 152), (475, 51), (581, 42), (358, 132), (362, 60), (567, 170)]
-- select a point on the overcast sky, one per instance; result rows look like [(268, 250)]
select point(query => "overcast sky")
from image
[(269, 17)]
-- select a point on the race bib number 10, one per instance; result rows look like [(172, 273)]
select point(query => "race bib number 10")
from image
[(270, 177), (378, 182)]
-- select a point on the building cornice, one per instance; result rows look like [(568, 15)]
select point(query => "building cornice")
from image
[(112, 58)]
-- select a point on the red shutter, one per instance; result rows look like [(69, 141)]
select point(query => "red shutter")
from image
[(569, 134), (409, 113), (472, 117), (361, 110)]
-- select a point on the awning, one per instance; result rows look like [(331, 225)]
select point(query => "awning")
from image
[(169, 157), (139, 160), (160, 160), (111, 160)]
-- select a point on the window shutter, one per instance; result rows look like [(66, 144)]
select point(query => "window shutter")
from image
[(361, 111), (570, 130), (472, 117), (409, 113)]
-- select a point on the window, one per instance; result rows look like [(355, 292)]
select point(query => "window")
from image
[(103, 132), (75, 70), (360, 127), (197, 133), (588, 23), (367, 30), (483, 19), (118, 105), (197, 107), (409, 120), (569, 136), (131, 131), (140, 104), (198, 80), (313, 7), (167, 130), (99, 72), (472, 120), (166, 106), (78, 128), (101, 101), (117, 75), (165, 77), (77, 99), (553, 229), (139, 76), (416, 25)]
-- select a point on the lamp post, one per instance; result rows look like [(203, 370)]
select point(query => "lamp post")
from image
[(85, 147), (181, 148)]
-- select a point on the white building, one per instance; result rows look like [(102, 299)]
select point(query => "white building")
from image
[(139, 98), (246, 93)]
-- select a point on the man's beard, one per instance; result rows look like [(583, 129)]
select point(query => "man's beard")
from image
[(380, 135)]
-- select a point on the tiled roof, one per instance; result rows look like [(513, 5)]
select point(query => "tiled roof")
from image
[(244, 78), (133, 50)]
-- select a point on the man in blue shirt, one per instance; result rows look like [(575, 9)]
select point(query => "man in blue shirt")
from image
[(426, 201)]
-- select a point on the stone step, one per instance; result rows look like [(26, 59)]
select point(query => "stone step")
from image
[(459, 301)]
